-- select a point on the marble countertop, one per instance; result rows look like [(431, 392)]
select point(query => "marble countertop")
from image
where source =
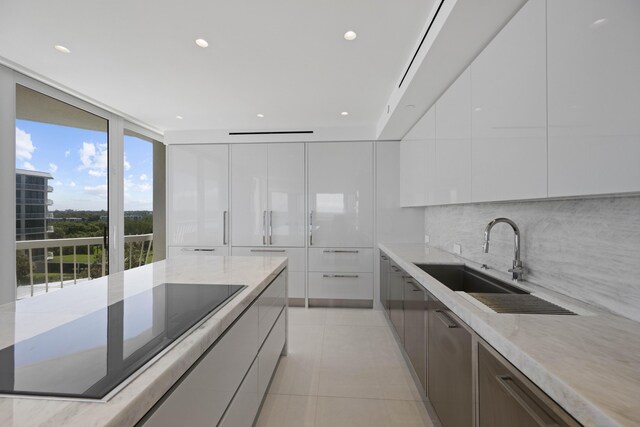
[(26, 318), (589, 364)]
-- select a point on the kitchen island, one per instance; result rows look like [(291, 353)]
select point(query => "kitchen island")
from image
[(158, 380)]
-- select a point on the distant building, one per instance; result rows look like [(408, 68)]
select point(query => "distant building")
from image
[(32, 205)]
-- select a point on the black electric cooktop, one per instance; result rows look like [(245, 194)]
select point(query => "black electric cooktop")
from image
[(88, 357)]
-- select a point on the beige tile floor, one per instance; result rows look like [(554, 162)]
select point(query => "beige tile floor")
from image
[(344, 368)]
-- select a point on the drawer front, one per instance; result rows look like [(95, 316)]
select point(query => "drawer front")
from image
[(341, 285), (197, 250), (341, 260), (206, 392), (243, 409), (297, 284), (297, 256), (270, 304), (270, 353)]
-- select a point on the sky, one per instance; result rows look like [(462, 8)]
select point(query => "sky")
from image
[(77, 160)]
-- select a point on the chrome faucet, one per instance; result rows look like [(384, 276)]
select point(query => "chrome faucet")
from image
[(518, 269)]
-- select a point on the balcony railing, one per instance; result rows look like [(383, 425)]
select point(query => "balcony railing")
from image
[(138, 251)]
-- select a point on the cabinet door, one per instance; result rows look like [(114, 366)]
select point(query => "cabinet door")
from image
[(594, 96), (396, 300), (453, 143), (249, 194), (417, 162), (449, 367), (341, 194), (509, 119), (287, 223), (415, 328), (197, 195)]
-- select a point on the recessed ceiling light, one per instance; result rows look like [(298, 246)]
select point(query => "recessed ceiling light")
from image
[(61, 48), (202, 43), (350, 35), (599, 22), (344, 113), (179, 117), (260, 115)]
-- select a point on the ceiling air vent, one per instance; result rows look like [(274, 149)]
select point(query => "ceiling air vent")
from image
[(273, 132), (420, 45)]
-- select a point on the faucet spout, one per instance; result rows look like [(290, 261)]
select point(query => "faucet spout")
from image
[(518, 268)]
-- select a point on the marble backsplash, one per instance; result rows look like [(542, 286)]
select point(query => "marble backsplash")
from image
[(588, 249)]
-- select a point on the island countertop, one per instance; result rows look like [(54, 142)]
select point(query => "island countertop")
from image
[(589, 364), (27, 318)]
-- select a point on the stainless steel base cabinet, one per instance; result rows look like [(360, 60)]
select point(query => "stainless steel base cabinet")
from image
[(450, 367), (385, 270), (507, 398), (415, 328), (396, 299)]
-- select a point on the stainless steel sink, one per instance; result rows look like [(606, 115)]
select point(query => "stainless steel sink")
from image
[(462, 278), (500, 296)]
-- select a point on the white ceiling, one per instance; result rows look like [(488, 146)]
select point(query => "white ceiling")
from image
[(286, 59)]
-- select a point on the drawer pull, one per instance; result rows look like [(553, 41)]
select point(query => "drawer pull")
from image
[(444, 318), (395, 269), (341, 276), (268, 250), (198, 249), (340, 251), (538, 414)]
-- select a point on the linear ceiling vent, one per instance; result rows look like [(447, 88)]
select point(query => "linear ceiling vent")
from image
[(273, 132), (420, 45)]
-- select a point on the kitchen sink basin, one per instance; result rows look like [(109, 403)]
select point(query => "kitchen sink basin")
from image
[(462, 278)]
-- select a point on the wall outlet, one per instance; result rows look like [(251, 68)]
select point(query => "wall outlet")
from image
[(457, 248), (426, 239)]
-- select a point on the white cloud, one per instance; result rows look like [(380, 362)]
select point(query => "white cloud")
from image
[(98, 190), (144, 187), (57, 183), (94, 157), (53, 167), (67, 153), (72, 184), (127, 165), (144, 177), (28, 166), (24, 145)]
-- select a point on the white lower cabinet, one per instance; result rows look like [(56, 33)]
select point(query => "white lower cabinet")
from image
[(340, 286), (174, 251), (297, 265), (244, 408), (228, 384), (205, 393)]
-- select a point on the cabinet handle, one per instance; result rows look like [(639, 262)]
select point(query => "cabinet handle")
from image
[(394, 268), (264, 227), (268, 250), (271, 227), (224, 227), (340, 251), (198, 249), (311, 228), (538, 414), (343, 276), (384, 257), (415, 286), (444, 318)]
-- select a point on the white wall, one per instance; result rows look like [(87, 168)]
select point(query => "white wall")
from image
[(588, 249)]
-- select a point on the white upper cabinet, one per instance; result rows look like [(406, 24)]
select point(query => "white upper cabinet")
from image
[(594, 96), (197, 195), (417, 162), (287, 224), (509, 113), (341, 194), (453, 143), (267, 182), (249, 194)]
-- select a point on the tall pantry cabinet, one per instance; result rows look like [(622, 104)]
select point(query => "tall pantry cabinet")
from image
[(341, 204), (198, 199), (267, 186)]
